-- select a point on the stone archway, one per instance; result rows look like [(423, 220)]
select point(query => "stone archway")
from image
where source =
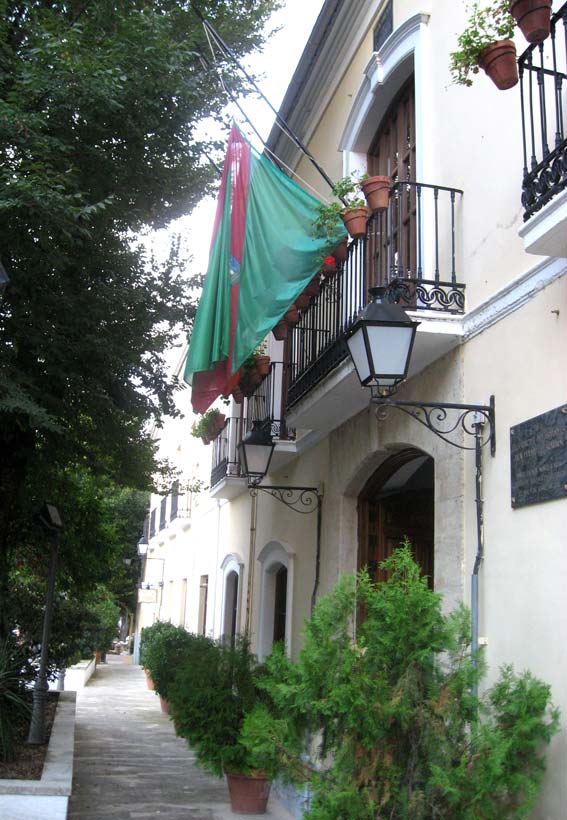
[(397, 502)]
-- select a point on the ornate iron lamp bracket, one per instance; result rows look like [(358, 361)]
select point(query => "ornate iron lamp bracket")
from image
[(447, 421), (303, 500)]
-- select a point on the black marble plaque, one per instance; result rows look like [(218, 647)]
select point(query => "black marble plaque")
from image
[(538, 456)]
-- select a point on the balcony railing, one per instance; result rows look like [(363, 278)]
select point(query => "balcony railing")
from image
[(543, 76), (267, 402), (412, 247), (225, 450)]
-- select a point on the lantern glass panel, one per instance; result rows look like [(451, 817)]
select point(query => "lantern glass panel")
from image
[(390, 348), (359, 356), (257, 458)]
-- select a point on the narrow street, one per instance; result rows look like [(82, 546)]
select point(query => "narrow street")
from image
[(129, 764)]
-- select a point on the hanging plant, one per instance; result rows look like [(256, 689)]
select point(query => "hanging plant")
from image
[(487, 43), (209, 425)]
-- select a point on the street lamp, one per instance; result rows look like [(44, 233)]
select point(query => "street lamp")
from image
[(256, 450), (50, 521), (380, 344)]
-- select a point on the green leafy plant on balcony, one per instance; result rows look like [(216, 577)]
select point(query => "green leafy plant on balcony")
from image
[(487, 24)]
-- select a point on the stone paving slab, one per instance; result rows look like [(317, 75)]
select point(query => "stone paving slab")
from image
[(129, 765)]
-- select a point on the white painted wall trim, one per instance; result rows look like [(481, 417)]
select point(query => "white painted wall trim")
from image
[(513, 296)]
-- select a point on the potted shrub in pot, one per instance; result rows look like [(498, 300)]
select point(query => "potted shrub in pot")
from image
[(168, 647), (487, 43), (211, 695)]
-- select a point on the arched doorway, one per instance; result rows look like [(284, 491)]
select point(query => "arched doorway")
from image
[(398, 501), (230, 607)]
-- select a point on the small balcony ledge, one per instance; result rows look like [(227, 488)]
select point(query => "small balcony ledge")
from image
[(545, 233)]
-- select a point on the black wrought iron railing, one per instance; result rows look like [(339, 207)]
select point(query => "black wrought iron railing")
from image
[(225, 450), (543, 85), (412, 248), (267, 403)]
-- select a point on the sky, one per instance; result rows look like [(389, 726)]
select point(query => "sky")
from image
[(275, 65)]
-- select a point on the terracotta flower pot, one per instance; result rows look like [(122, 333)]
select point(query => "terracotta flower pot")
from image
[(355, 221), (280, 331), (247, 386), (313, 287), (302, 300), (263, 365), (292, 316), (499, 62), (533, 18), (255, 377), (164, 704), (341, 252), (376, 191), (219, 422), (149, 681), (248, 793), (237, 395)]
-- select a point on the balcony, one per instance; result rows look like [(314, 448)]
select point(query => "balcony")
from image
[(412, 248), (543, 76), (267, 402)]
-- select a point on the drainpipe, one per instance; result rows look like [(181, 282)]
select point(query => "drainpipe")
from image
[(251, 562), (479, 548), (318, 551)]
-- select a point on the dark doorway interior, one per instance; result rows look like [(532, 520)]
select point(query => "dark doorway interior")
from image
[(398, 501)]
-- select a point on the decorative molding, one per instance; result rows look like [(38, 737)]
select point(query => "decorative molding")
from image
[(513, 296), (400, 45)]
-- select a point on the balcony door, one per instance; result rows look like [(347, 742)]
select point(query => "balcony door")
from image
[(392, 246)]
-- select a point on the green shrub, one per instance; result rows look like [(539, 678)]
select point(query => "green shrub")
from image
[(167, 648), (14, 707), (399, 734), (214, 689)]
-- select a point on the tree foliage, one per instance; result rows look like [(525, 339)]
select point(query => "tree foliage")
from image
[(397, 732), (100, 138)]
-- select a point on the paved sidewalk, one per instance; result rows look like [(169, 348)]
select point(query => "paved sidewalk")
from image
[(129, 765)]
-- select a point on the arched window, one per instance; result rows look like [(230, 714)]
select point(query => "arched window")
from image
[(230, 608), (276, 596)]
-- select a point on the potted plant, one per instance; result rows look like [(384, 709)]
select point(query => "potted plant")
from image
[(280, 330), (533, 17), (376, 190), (329, 267), (168, 646), (209, 425), (291, 316), (390, 712), (212, 693), (487, 43), (341, 251)]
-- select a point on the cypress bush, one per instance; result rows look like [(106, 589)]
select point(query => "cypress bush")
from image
[(383, 687)]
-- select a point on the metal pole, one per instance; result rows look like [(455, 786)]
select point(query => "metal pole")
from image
[(288, 130), (37, 726), (479, 553), (318, 553), (252, 558)]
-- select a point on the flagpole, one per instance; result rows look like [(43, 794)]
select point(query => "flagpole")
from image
[(293, 136)]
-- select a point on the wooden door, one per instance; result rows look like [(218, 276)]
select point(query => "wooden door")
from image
[(393, 153)]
